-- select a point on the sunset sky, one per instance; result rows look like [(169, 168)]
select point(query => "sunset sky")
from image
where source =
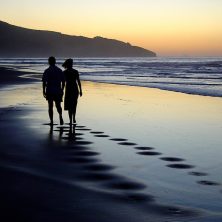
[(168, 27)]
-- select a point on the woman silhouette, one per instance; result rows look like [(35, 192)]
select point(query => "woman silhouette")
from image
[(73, 89)]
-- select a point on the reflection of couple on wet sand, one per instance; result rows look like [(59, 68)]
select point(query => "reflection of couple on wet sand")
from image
[(54, 81)]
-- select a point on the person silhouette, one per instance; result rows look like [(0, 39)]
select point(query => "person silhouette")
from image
[(72, 90), (53, 86)]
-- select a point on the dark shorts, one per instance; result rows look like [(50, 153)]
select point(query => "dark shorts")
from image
[(54, 97)]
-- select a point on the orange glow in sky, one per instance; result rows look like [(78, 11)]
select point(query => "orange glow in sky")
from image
[(168, 27)]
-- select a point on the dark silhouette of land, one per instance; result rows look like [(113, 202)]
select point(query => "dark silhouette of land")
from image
[(22, 42)]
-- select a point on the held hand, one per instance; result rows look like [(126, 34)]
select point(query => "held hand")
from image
[(44, 94)]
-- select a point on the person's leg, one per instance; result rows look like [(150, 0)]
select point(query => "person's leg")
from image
[(70, 116), (50, 110), (74, 111), (59, 110)]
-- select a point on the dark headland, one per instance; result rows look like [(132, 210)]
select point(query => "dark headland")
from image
[(22, 42)]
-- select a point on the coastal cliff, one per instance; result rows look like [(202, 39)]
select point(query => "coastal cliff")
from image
[(22, 42)]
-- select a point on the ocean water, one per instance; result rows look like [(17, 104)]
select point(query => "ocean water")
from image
[(201, 76)]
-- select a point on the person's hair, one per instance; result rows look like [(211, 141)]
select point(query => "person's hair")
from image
[(52, 60), (68, 63)]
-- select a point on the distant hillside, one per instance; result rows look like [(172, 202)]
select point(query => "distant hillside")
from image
[(21, 42)]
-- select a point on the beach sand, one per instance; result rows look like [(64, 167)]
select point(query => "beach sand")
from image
[(136, 154)]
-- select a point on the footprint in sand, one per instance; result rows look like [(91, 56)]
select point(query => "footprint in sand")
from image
[(149, 153), (118, 139), (127, 144), (208, 183), (101, 135), (180, 166), (82, 129), (175, 211), (83, 143), (172, 159), (144, 148), (76, 134), (78, 126), (198, 174), (96, 132)]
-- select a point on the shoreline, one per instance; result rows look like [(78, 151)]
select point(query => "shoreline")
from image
[(18, 76), (158, 88)]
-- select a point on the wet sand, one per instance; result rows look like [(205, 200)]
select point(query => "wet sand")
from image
[(136, 154), (9, 76)]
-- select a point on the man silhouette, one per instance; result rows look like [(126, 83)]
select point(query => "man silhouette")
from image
[(53, 86)]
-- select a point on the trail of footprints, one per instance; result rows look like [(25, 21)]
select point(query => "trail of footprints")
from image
[(126, 190), (174, 162), (149, 151), (95, 171)]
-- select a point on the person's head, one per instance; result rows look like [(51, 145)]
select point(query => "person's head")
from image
[(51, 60), (68, 64)]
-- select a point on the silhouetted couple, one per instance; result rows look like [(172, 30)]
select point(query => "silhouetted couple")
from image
[(54, 81)]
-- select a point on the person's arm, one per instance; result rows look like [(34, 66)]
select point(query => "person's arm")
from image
[(80, 86), (44, 89), (63, 82), (44, 84), (63, 85)]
